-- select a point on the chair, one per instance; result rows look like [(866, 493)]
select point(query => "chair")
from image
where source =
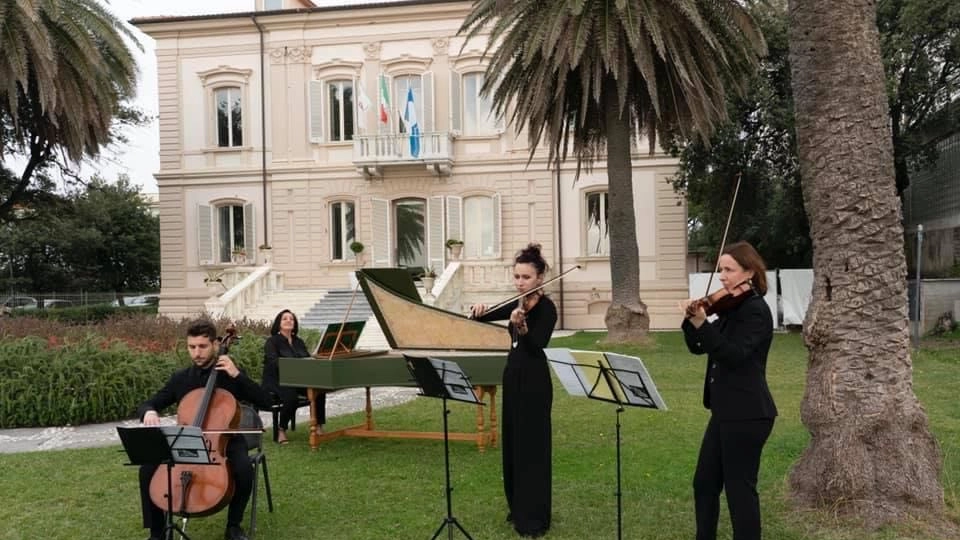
[(275, 414), (250, 420)]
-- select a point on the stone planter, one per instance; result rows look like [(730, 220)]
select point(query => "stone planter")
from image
[(428, 284)]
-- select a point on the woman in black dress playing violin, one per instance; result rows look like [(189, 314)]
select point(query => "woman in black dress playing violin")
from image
[(527, 396), (734, 390)]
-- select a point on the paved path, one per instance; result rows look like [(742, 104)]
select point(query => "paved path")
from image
[(54, 438)]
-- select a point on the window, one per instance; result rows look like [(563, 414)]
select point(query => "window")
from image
[(341, 229), (597, 232), (225, 92), (331, 100), (471, 113), (340, 110), (229, 117), (401, 84), (480, 226), (225, 232), (269, 5), (230, 231), (477, 115)]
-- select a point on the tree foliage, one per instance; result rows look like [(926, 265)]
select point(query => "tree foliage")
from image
[(102, 238), (758, 145), (65, 72), (920, 42), (590, 76)]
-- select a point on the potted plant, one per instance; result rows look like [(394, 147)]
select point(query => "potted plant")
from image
[(357, 249), (456, 247), (214, 281), (239, 255), (265, 250), (428, 278)]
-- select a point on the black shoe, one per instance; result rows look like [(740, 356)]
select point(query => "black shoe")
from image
[(234, 532)]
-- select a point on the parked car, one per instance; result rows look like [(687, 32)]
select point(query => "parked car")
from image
[(19, 302), (57, 303), (142, 300)]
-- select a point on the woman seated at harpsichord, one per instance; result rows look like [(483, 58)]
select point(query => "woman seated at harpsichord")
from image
[(284, 343)]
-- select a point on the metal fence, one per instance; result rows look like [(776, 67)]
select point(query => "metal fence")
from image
[(934, 193), (56, 300)]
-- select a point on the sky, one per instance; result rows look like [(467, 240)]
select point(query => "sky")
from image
[(140, 157)]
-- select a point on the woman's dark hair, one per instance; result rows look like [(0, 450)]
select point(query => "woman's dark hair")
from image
[(531, 255), (275, 329), (747, 257)]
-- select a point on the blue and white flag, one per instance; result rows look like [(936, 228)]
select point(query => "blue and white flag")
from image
[(410, 121)]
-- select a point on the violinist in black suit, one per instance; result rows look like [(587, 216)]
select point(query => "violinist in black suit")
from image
[(734, 390)]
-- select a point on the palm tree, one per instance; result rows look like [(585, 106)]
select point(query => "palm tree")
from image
[(64, 73), (871, 453), (590, 75)]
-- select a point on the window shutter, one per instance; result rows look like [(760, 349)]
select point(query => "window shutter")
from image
[(456, 104), (427, 81), (205, 234), (497, 241), (455, 217), (249, 231), (316, 110), (436, 241), (381, 232)]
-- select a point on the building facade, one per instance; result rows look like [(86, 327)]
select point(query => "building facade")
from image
[(289, 134)]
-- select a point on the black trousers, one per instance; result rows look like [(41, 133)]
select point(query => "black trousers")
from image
[(241, 468), (288, 397), (730, 459)]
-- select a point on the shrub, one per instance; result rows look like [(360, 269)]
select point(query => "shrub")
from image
[(56, 374)]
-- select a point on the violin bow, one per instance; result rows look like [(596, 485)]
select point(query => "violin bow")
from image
[(723, 241), (533, 290)]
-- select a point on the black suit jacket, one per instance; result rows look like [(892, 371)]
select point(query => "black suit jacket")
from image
[(736, 345)]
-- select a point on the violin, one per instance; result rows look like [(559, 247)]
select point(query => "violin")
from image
[(722, 300), (203, 490)]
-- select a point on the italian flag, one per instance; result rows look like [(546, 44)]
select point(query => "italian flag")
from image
[(384, 100)]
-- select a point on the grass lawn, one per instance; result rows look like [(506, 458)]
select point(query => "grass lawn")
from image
[(385, 489)]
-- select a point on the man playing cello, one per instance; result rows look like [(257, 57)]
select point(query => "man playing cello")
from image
[(203, 348)]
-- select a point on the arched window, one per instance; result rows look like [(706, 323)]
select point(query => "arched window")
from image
[(225, 232), (596, 230)]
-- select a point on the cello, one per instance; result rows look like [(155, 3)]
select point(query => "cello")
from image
[(202, 489)]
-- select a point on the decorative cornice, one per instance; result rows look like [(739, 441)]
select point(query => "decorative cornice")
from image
[(441, 46), (297, 55), (371, 51)]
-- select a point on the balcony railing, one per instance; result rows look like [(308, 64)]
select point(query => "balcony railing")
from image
[(371, 153)]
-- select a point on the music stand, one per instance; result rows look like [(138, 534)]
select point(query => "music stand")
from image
[(614, 378), (165, 445), (445, 380)]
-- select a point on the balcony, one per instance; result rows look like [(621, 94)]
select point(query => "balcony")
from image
[(373, 153)]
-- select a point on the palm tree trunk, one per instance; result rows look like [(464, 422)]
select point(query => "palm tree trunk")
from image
[(871, 453), (627, 319)]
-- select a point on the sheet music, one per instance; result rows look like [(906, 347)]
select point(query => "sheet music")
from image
[(187, 443), (581, 374)]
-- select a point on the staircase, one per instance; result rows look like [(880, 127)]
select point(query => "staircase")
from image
[(299, 301), (332, 308)]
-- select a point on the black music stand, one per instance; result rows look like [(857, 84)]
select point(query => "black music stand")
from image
[(614, 378), (445, 380), (165, 445)]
